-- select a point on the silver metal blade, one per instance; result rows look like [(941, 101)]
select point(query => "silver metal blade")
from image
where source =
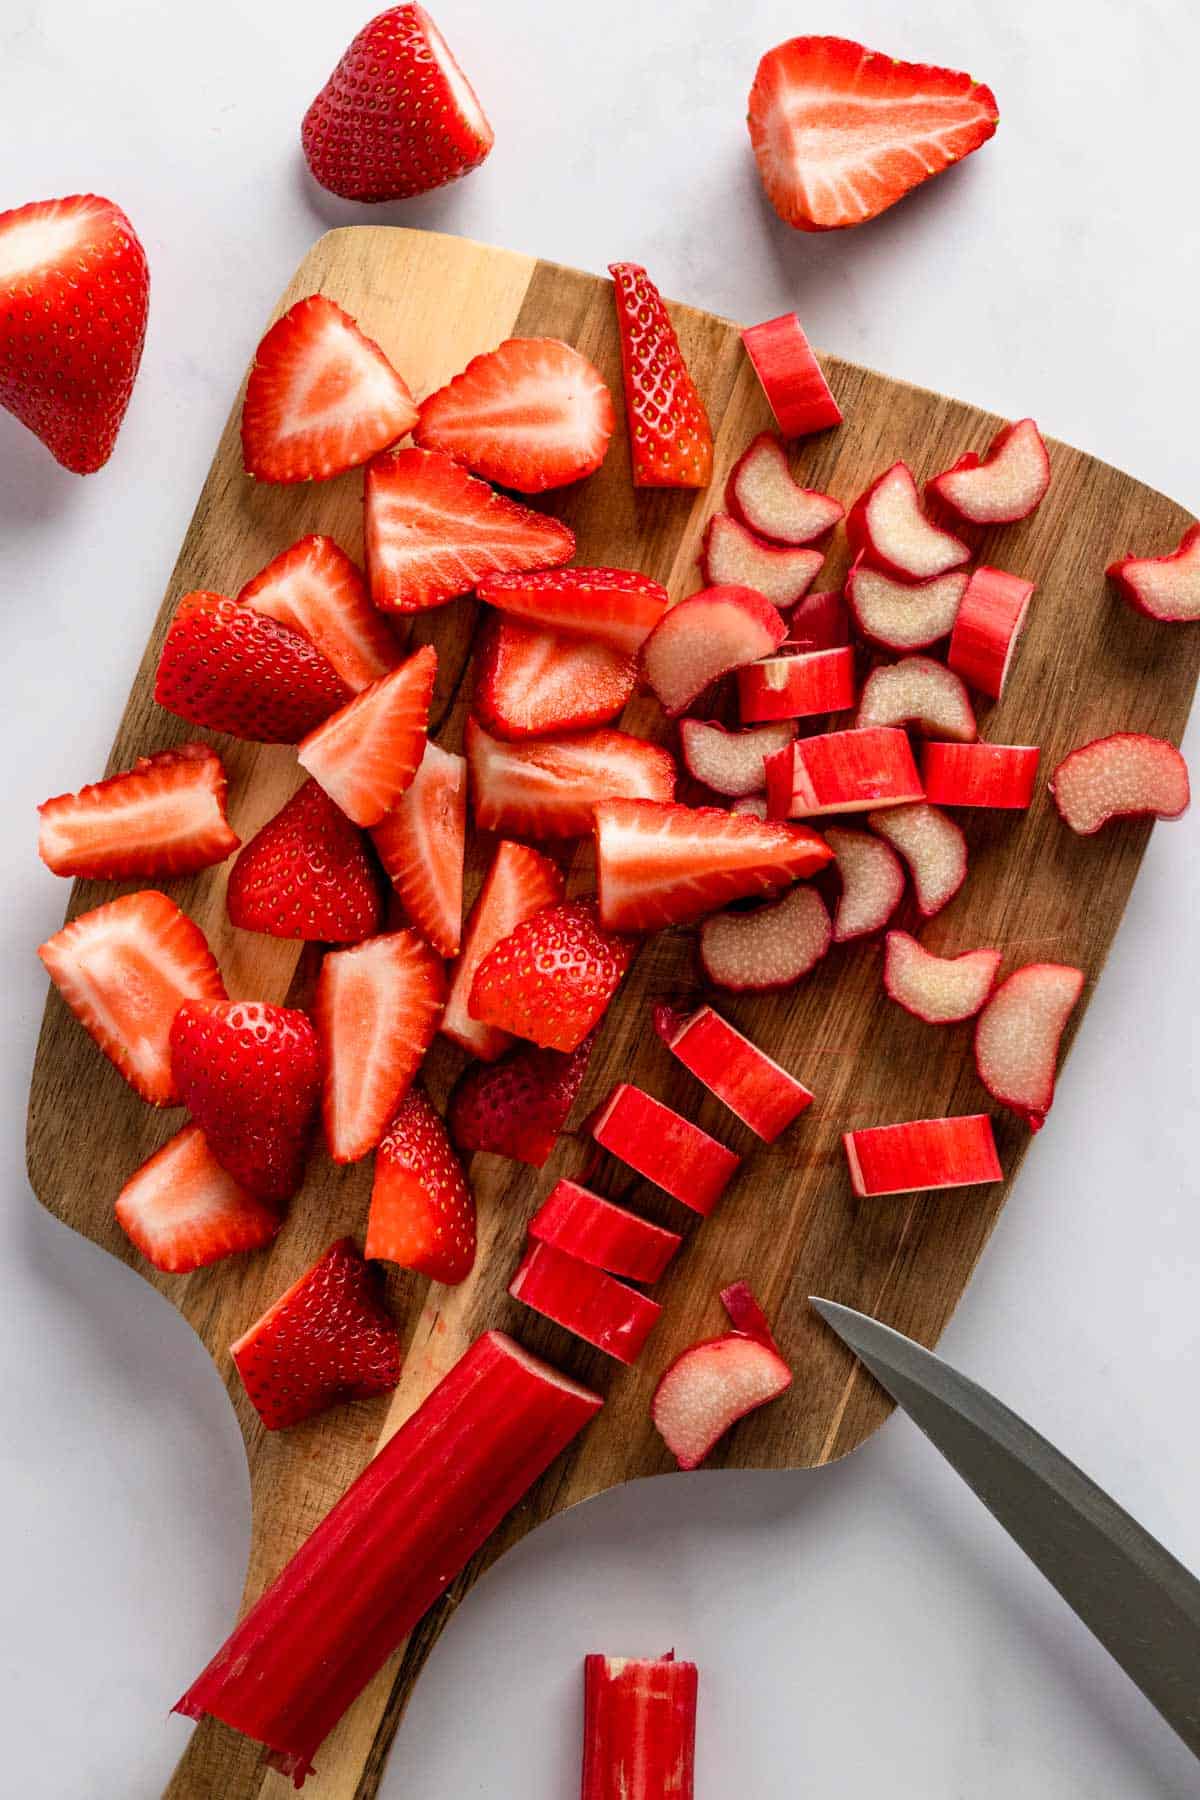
[(1141, 1603)]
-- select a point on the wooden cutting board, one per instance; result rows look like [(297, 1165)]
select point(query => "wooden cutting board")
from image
[(1088, 665)]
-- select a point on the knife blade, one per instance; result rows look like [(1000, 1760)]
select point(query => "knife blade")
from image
[(1137, 1599)]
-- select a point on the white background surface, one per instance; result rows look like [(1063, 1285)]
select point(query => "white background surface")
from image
[(864, 1630)]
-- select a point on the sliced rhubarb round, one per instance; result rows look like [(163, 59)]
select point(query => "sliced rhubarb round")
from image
[(1163, 587), (818, 622), (1003, 485), (639, 1732), (712, 1385), (899, 615), (772, 947), (1018, 1033), (933, 847), (921, 1154), (888, 527), (749, 1082), (704, 637), (734, 557), (920, 693), (762, 494), (731, 762), (1001, 776), (797, 392), (596, 1231), (842, 771), (872, 878), (988, 628), (1126, 776), (797, 686), (939, 989), (664, 1147), (584, 1300)]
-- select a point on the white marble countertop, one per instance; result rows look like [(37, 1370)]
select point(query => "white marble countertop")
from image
[(862, 1630)]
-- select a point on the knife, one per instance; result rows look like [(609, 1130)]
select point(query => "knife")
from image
[(1141, 1603)]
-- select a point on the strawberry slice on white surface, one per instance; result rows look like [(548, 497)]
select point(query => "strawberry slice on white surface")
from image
[(549, 787), (316, 589), (421, 844), (367, 753), (711, 1385), (1006, 483), (888, 526), (183, 1210), (713, 632)]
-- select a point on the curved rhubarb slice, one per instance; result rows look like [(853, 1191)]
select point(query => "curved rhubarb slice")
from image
[(748, 1081), (920, 693), (585, 1301), (988, 628), (933, 847), (617, 607), (900, 615), (922, 1154), (733, 557), (1125, 776), (818, 622), (939, 989), (888, 527), (664, 1148), (1005, 484), (1018, 1033), (762, 494), (731, 762), (797, 686), (872, 878), (772, 947), (550, 787), (712, 1385), (842, 771), (596, 1231), (516, 1107), (715, 631), (797, 392), (753, 805), (1162, 587), (529, 682), (165, 816), (639, 1730), (552, 978), (184, 1211), (519, 883), (995, 775)]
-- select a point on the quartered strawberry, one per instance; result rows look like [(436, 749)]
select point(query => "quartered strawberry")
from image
[(250, 1076), (377, 1009), (316, 589), (529, 681), (548, 788), (328, 1338), (165, 816), (670, 439), (617, 607), (397, 116), (551, 979), (421, 844), (433, 531), (124, 970), (232, 669), (516, 1107), (366, 754), (306, 875), (74, 292), (519, 883), (321, 397), (841, 133), (422, 1210), (183, 1210)]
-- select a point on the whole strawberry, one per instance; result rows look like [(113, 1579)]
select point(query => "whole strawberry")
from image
[(516, 1107), (306, 874), (551, 979)]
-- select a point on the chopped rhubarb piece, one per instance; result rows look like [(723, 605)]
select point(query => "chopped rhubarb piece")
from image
[(903, 615), (731, 762), (389, 1549), (529, 682), (749, 1082), (704, 637), (872, 878), (888, 527), (615, 606), (550, 787), (925, 1153), (994, 775), (1018, 1033), (366, 754), (639, 1729), (516, 1107), (552, 978), (1125, 776), (939, 989), (184, 1211), (753, 805), (734, 557), (316, 589), (585, 1301), (772, 947), (933, 847), (422, 1209), (712, 1385), (608, 1237), (1162, 587), (670, 439), (664, 1148), (796, 686), (988, 627), (920, 693), (762, 494), (797, 392), (1005, 484), (842, 771), (519, 883), (421, 844), (818, 622), (165, 816)]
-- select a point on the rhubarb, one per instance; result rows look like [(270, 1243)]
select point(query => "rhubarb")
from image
[(734, 557), (1005, 484), (919, 693), (872, 878), (922, 1154), (840, 772), (933, 847), (797, 392), (664, 1148), (585, 1301), (762, 494), (887, 526), (796, 686), (748, 1081), (1126, 776), (519, 882), (596, 1231), (713, 632), (1018, 1033), (899, 615), (988, 628), (713, 1384), (941, 990), (639, 1730), (549, 788), (818, 622), (994, 775), (772, 947), (731, 762), (1162, 587)]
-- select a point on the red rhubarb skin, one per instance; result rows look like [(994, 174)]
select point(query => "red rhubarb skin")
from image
[(639, 1732), (608, 1237), (797, 392), (664, 1148), (586, 1301), (818, 622), (842, 771), (925, 1153), (987, 627), (1000, 776), (764, 1096), (389, 1548), (821, 681)]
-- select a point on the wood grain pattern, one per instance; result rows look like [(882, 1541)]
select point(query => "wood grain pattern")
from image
[(790, 1223)]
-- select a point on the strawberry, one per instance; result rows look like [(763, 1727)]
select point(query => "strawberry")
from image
[(552, 978), (328, 1338), (421, 844), (670, 439), (529, 681), (617, 607), (249, 1074), (74, 293), (518, 1106), (366, 754), (231, 669), (377, 1009), (306, 875), (432, 531), (397, 116), (125, 970), (422, 1211), (321, 398), (519, 882), (183, 1210), (165, 816), (548, 789), (316, 589), (842, 133)]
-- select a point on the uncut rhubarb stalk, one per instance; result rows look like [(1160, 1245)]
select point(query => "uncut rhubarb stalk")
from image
[(639, 1731), (389, 1548)]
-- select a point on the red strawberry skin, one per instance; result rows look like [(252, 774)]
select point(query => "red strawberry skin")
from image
[(183, 1210), (670, 438), (519, 882), (231, 669), (316, 589), (306, 875), (552, 978), (529, 682), (422, 1210), (165, 816), (516, 1107), (74, 295)]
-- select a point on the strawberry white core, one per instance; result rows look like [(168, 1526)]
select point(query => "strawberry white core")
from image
[(900, 615), (939, 989), (771, 947), (920, 692), (1118, 777), (872, 878), (933, 847)]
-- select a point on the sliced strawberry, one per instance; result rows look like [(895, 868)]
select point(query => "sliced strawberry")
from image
[(165, 816), (366, 754), (529, 681), (733, 557), (670, 439), (316, 589), (125, 970), (306, 875), (519, 883), (842, 133), (706, 636), (549, 788), (322, 397), (422, 1210), (552, 978), (421, 844), (183, 1210), (1007, 483), (377, 1008), (617, 607), (232, 669), (516, 1107), (433, 531), (328, 1338), (761, 493)]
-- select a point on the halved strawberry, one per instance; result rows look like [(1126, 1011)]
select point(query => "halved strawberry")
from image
[(433, 531), (124, 970), (366, 754), (670, 438), (183, 1210), (321, 398), (316, 589), (421, 844), (377, 1008), (549, 787), (165, 816), (617, 607), (232, 669), (306, 875), (516, 1107), (529, 681), (552, 978), (422, 1210), (519, 883)]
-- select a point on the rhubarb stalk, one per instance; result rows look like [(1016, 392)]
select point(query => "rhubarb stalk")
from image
[(639, 1732)]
